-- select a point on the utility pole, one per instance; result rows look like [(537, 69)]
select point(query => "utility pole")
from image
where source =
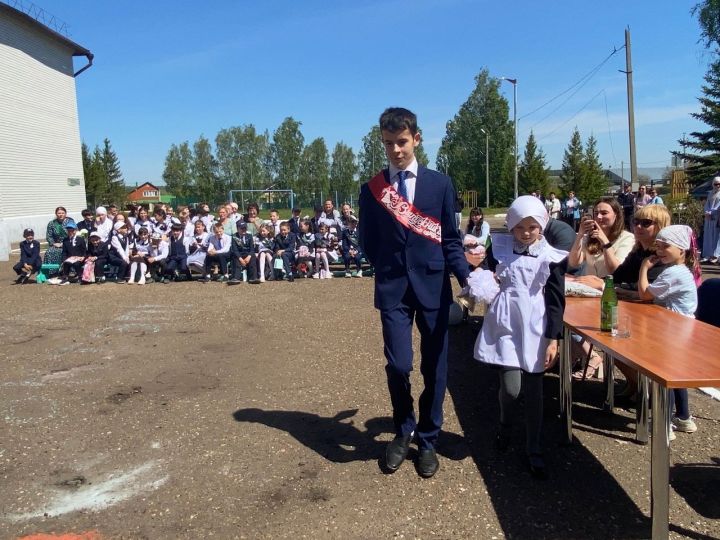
[(487, 168), (514, 83), (631, 111)]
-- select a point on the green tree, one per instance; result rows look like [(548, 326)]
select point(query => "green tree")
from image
[(343, 170), (708, 14), (533, 172), (420, 154), (572, 166), (287, 148), (241, 153), (94, 179), (461, 154), (593, 181), (114, 189), (178, 172), (314, 169), (371, 158), (205, 172), (701, 150)]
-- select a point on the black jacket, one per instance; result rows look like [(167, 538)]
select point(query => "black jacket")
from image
[(30, 253), (74, 249)]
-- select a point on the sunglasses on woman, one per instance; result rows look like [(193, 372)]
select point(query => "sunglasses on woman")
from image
[(644, 223)]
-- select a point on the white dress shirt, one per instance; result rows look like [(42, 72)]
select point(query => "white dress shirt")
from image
[(410, 179)]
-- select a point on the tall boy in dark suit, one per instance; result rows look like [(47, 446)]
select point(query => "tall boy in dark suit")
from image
[(408, 233)]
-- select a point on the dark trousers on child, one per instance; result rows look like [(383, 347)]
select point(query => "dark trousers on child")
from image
[(178, 264), (221, 259), (251, 267), (118, 262), (19, 267)]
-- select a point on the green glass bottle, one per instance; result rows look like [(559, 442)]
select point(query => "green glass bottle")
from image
[(608, 306)]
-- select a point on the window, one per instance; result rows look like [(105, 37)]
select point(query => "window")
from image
[(150, 193)]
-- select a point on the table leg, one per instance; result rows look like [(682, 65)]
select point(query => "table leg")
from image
[(566, 385), (660, 463), (609, 367), (641, 410)]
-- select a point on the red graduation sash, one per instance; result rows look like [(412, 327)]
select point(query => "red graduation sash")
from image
[(404, 213)]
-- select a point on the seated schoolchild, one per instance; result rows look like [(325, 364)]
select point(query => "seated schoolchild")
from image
[(87, 223), (157, 257), (218, 252), (97, 255), (243, 255), (284, 248), (139, 253), (30, 260), (74, 251), (323, 242), (197, 246), (120, 249), (305, 252), (264, 243), (159, 221), (176, 266), (351, 247)]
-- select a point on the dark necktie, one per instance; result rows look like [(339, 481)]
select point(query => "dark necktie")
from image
[(402, 186)]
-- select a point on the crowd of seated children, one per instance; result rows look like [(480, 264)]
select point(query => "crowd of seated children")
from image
[(163, 248)]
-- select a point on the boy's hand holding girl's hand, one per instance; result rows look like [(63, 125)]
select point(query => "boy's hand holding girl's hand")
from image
[(551, 354)]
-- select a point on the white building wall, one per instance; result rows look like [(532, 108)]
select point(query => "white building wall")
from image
[(40, 153)]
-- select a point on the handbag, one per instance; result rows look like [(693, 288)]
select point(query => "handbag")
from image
[(278, 263), (88, 273)]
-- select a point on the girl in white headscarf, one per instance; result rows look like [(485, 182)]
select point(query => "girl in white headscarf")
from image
[(710, 251), (676, 289), (522, 326)]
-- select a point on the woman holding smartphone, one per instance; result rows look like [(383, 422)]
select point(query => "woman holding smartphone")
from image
[(601, 245)]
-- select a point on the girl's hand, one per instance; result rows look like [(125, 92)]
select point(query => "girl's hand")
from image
[(57, 244), (474, 259), (551, 355), (649, 262)]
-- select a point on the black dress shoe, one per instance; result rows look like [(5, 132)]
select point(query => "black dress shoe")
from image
[(397, 451), (427, 464)]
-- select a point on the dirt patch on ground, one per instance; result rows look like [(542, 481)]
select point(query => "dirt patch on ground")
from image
[(193, 411)]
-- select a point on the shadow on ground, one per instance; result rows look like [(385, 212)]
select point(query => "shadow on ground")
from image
[(337, 438), (579, 500)]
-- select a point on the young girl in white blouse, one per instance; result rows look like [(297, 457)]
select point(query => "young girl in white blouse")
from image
[(675, 289), (264, 244), (522, 326), (138, 257)]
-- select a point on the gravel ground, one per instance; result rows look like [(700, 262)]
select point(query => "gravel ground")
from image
[(206, 411)]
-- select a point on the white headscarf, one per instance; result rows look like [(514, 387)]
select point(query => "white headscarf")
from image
[(101, 210), (676, 235), (714, 193), (527, 206)]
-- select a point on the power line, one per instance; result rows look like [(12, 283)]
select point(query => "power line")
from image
[(607, 117), (582, 81), (574, 115)]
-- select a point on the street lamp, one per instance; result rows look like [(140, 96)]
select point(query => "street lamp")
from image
[(487, 168), (514, 83)]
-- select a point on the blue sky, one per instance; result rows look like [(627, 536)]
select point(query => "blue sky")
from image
[(167, 71)]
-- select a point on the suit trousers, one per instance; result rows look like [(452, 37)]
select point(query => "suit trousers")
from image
[(397, 326)]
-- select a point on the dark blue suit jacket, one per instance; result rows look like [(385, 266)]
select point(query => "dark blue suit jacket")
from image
[(402, 258)]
